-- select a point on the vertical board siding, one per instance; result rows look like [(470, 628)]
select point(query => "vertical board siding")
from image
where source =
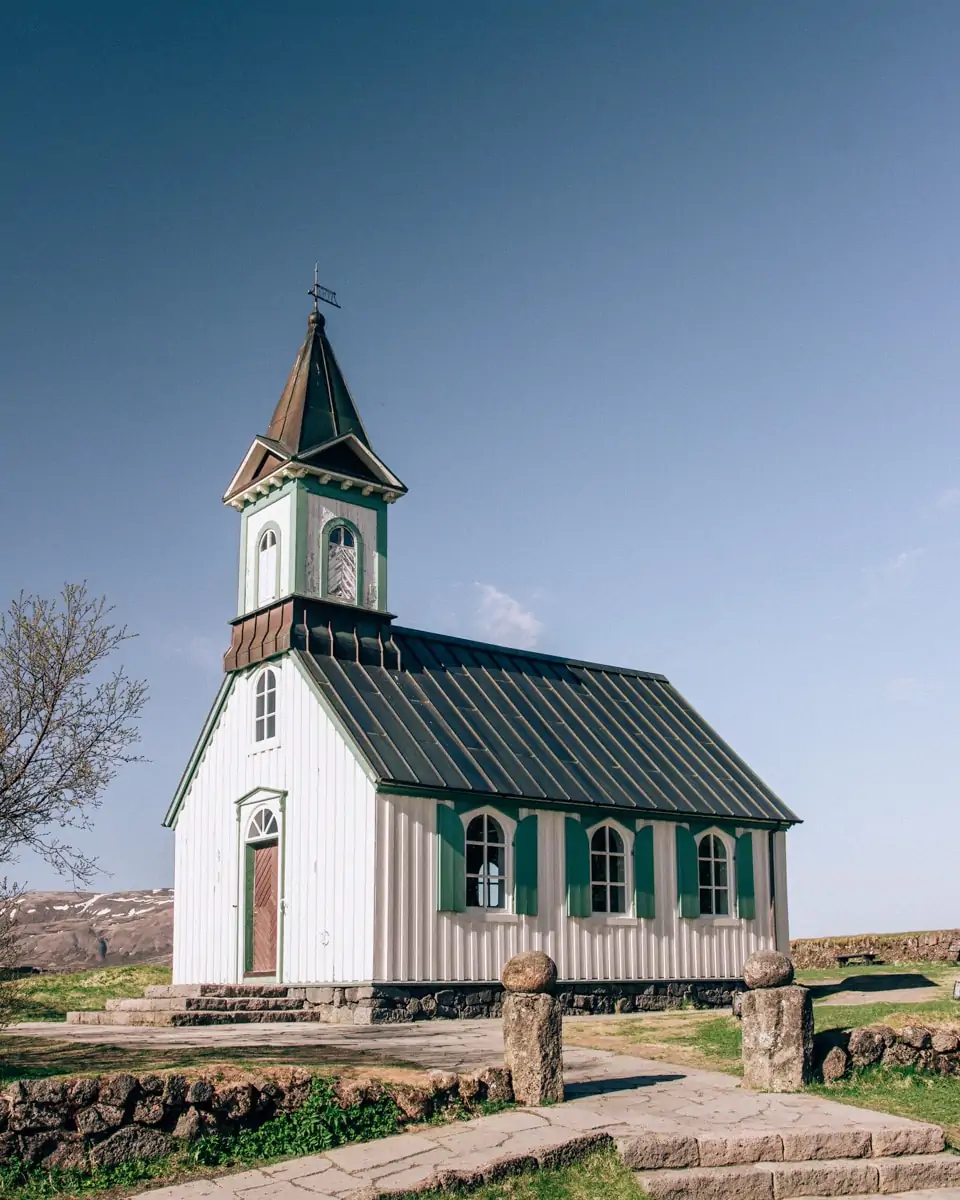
[(327, 844), (413, 942), (780, 892)]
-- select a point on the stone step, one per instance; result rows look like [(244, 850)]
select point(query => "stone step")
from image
[(120, 1018), (169, 991), (185, 1019), (205, 1004), (823, 1177)]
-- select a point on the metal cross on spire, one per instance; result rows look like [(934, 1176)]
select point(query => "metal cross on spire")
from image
[(321, 293)]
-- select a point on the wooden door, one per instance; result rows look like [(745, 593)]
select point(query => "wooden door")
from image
[(266, 882)]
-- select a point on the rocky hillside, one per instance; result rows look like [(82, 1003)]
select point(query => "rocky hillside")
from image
[(72, 931)]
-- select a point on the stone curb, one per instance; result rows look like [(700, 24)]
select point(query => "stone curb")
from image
[(451, 1180)]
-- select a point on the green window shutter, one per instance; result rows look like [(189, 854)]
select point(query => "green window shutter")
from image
[(248, 868), (746, 899), (451, 881), (525, 866), (643, 879), (577, 861), (688, 878)]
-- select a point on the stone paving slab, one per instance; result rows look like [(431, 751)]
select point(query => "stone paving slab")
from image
[(608, 1094)]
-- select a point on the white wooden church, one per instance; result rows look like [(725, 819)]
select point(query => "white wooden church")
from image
[(397, 812)]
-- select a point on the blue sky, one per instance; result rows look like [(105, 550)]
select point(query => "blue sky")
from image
[(653, 307)]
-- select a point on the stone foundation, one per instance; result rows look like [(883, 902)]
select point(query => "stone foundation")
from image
[(381, 1003)]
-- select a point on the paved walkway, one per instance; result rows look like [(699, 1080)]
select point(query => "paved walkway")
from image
[(607, 1093)]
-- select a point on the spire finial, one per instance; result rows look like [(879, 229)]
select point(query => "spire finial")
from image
[(321, 293)]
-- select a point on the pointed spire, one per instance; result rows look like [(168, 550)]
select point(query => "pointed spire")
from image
[(316, 405)]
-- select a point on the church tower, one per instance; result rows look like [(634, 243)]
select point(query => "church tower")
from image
[(313, 499)]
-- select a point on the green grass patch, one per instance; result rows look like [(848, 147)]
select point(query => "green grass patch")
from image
[(853, 1016), (51, 997), (901, 1090), (937, 971), (599, 1175), (319, 1125)]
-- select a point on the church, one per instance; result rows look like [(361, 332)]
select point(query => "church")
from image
[(376, 817)]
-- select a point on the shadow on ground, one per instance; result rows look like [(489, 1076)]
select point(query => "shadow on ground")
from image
[(35, 1058), (871, 983), (602, 1087)]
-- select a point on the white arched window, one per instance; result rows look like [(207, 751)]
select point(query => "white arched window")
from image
[(265, 724), (268, 568), (486, 863), (608, 871), (342, 564), (263, 826), (714, 876)]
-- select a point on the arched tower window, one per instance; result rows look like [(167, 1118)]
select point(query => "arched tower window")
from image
[(608, 871), (268, 568), (343, 564), (714, 877), (265, 724), (486, 863)]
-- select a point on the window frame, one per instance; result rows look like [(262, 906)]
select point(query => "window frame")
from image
[(329, 527), (274, 528), (508, 827), (269, 739), (731, 885), (626, 837)]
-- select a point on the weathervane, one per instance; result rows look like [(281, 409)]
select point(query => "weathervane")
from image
[(321, 293)]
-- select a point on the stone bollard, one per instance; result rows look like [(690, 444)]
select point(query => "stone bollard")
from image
[(777, 1024), (532, 1028)]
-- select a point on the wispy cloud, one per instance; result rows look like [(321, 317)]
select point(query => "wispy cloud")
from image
[(501, 618), (892, 578), (949, 499)]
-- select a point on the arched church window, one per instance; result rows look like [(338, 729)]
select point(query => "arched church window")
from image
[(268, 568), (265, 724), (608, 871), (263, 826), (343, 564), (486, 863), (714, 877)]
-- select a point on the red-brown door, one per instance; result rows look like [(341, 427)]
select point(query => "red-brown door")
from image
[(266, 880)]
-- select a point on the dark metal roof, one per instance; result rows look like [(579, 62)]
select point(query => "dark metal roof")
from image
[(467, 717)]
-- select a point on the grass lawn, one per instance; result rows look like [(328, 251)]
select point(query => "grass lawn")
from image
[(51, 997), (909, 1093), (599, 1175)]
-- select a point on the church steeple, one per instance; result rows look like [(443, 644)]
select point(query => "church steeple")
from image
[(313, 496)]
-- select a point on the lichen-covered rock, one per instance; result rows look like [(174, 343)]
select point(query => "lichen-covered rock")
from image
[(44, 1091), (189, 1125), (151, 1085), (767, 969), (469, 1088), (777, 1039), (864, 1047), (68, 1156), (130, 1144), (444, 1082), (149, 1112), (916, 1036), (497, 1084), (83, 1091), (885, 1034), (415, 1103), (532, 971), (33, 1118), (532, 1047), (200, 1092), (234, 1101), (118, 1089), (98, 1118), (900, 1055), (34, 1147), (945, 1041), (9, 1146), (4, 1113), (175, 1091), (835, 1065)]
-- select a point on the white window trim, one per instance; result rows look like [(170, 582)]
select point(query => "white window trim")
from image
[(733, 917), (269, 743), (509, 827), (629, 915), (274, 528)]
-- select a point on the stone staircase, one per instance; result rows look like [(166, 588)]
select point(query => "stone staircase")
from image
[(206, 1004), (777, 1166)]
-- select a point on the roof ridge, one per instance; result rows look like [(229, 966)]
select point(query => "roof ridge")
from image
[(535, 654)]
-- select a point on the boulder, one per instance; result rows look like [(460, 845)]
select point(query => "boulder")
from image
[(865, 1047), (945, 1041), (117, 1089), (835, 1065), (497, 1084), (133, 1143), (189, 1125), (767, 969), (532, 971), (915, 1036)]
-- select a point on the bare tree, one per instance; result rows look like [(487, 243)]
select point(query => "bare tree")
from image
[(67, 723)]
